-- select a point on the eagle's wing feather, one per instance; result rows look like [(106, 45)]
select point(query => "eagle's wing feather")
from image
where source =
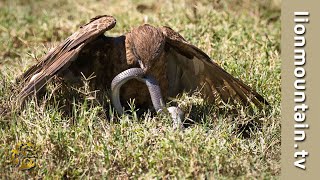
[(190, 68), (61, 57)]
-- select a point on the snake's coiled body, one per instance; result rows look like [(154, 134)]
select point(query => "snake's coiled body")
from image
[(154, 89), (136, 73)]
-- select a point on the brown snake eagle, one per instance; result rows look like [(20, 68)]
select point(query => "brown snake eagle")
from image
[(162, 53)]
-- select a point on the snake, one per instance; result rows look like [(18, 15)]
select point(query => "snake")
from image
[(152, 84)]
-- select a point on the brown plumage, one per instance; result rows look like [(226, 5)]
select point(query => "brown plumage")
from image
[(177, 65)]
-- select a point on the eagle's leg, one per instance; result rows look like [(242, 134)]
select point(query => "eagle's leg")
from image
[(154, 89)]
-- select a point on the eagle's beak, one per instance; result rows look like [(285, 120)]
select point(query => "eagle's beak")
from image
[(142, 66)]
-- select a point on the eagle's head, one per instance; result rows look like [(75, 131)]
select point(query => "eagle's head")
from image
[(147, 45)]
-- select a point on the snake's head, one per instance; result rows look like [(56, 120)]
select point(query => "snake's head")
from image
[(177, 116), (147, 45)]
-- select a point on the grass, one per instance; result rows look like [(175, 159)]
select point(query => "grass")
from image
[(242, 36)]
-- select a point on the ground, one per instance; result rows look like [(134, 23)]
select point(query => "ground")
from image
[(242, 36)]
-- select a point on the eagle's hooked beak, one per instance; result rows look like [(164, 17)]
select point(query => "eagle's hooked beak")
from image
[(143, 66)]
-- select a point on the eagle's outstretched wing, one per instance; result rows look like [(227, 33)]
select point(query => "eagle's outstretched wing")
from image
[(61, 57), (189, 68)]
